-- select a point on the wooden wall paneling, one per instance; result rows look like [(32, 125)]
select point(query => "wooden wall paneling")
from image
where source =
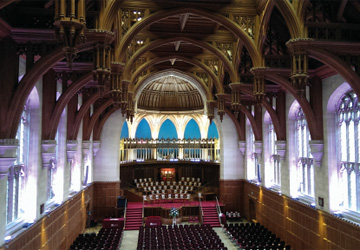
[(105, 199), (300, 225), (58, 229)]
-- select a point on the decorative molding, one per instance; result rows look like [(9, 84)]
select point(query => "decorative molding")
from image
[(48, 152), (86, 145), (281, 149), (317, 150), (71, 149), (258, 147), (8, 148), (5, 164), (242, 147)]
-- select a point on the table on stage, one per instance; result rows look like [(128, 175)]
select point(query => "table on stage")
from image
[(153, 221), (113, 223)]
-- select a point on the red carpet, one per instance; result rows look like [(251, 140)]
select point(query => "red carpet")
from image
[(211, 216), (134, 218)]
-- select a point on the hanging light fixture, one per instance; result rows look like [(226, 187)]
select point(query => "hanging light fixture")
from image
[(235, 98), (259, 84), (70, 25), (299, 76), (299, 71), (210, 111), (116, 90), (221, 106), (130, 111)]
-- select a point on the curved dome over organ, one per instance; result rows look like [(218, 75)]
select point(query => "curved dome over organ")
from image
[(170, 93)]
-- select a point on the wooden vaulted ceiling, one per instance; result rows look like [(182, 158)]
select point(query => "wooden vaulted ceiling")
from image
[(213, 43)]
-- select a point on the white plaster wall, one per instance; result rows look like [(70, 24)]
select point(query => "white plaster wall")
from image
[(34, 165), (106, 162), (232, 162), (61, 189), (328, 186), (41, 172)]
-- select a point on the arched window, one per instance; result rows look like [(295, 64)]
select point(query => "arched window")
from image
[(349, 149), (17, 175), (274, 157), (305, 165)]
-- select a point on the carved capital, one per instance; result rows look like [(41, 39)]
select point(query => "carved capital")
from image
[(8, 148), (258, 147), (5, 164), (86, 148), (96, 147), (242, 147), (48, 152), (71, 149), (317, 150)]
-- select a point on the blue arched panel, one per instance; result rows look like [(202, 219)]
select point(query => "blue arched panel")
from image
[(192, 130), (143, 130), (213, 131), (168, 130), (124, 131)]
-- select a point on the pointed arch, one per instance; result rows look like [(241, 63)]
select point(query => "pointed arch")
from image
[(213, 131), (203, 45), (168, 130), (124, 131), (143, 130), (192, 130), (152, 18)]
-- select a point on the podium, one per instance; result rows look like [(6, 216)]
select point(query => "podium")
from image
[(113, 223)]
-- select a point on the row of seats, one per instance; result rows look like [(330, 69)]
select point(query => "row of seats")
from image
[(252, 236), (232, 215), (192, 179), (106, 239), (166, 189), (166, 198), (189, 237)]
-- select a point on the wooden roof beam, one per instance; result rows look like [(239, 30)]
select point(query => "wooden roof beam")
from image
[(183, 20), (341, 10)]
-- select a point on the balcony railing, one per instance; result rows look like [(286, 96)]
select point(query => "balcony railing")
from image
[(169, 149)]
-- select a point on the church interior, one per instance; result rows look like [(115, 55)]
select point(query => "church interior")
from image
[(172, 118)]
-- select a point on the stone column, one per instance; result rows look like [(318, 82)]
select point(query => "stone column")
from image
[(7, 158), (281, 151)]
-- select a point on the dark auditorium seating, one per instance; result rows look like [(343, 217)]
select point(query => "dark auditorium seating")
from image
[(251, 236), (181, 237), (106, 239)]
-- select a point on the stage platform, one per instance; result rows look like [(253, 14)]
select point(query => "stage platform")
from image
[(166, 205)]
